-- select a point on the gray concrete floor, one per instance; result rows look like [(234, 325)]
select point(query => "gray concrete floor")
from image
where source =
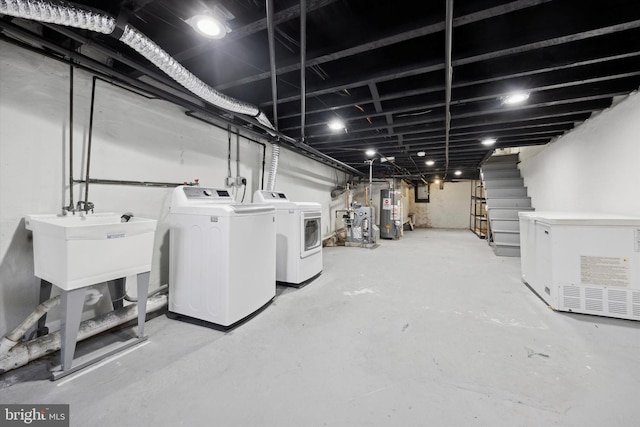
[(432, 329)]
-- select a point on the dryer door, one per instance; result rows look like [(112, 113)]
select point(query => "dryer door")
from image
[(311, 241)]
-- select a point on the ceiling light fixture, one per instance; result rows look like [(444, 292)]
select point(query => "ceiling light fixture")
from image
[(488, 141), (336, 124), (421, 153), (370, 152), (430, 163), (212, 24), (515, 98), (458, 173), (387, 159)]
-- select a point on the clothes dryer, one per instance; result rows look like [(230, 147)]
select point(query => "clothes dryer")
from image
[(298, 238), (222, 257)]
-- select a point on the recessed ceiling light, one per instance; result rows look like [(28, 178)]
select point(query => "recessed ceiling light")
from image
[(458, 173), (370, 152), (430, 163), (421, 153), (515, 98), (488, 141), (336, 124), (208, 25)]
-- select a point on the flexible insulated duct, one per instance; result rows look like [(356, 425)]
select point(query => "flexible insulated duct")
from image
[(275, 156), (71, 15)]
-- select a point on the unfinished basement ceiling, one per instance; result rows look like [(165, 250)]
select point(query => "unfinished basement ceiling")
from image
[(380, 67)]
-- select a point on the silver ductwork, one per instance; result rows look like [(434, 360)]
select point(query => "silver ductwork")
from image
[(273, 171), (71, 15)]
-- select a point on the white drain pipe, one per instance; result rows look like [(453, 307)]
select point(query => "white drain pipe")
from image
[(25, 352), (12, 338)]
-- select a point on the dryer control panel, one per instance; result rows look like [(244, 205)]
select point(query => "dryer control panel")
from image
[(264, 196)]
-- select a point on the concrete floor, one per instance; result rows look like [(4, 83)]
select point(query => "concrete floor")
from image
[(432, 329)]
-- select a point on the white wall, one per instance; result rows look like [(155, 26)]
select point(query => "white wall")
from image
[(593, 168), (133, 139), (447, 208)]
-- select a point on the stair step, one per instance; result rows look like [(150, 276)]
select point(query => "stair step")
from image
[(506, 250), (506, 236), (505, 213), (505, 224), (502, 158), (499, 173), (499, 166), (503, 183), (502, 193), (509, 202)]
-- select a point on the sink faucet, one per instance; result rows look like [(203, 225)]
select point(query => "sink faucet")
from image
[(85, 206), (69, 208)]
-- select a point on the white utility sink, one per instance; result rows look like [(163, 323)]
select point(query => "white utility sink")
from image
[(74, 251)]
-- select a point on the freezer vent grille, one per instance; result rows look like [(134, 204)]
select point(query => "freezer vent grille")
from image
[(593, 305), (594, 299), (621, 303), (572, 297), (636, 304), (572, 291), (617, 307), (593, 293), (615, 295)]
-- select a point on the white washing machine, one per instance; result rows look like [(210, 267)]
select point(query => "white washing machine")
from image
[(298, 238), (222, 257)]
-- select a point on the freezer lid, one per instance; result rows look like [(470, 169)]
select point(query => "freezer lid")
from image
[(583, 218)]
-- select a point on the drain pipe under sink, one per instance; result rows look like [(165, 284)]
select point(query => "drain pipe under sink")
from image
[(24, 352)]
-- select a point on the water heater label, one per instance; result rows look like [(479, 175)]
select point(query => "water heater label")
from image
[(637, 240), (386, 204), (116, 235), (605, 271)]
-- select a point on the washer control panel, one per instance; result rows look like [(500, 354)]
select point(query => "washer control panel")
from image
[(205, 193)]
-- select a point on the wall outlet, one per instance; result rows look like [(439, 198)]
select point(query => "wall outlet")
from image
[(230, 181)]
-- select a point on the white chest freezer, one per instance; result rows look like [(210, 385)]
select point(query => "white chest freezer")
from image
[(583, 262)]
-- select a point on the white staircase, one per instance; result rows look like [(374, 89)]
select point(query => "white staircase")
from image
[(506, 195)]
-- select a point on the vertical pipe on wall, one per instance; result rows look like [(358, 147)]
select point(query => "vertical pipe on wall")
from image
[(448, 81), (275, 149), (272, 61), (303, 67), (89, 141), (70, 207), (237, 154)]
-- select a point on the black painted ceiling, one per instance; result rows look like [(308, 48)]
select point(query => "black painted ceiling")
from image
[(380, 66)]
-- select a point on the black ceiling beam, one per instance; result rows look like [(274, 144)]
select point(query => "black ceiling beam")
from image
[(409, 141), (426, 145), (458, 85), (391, 40), (413, 71), (493, 96), (486, 112)]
